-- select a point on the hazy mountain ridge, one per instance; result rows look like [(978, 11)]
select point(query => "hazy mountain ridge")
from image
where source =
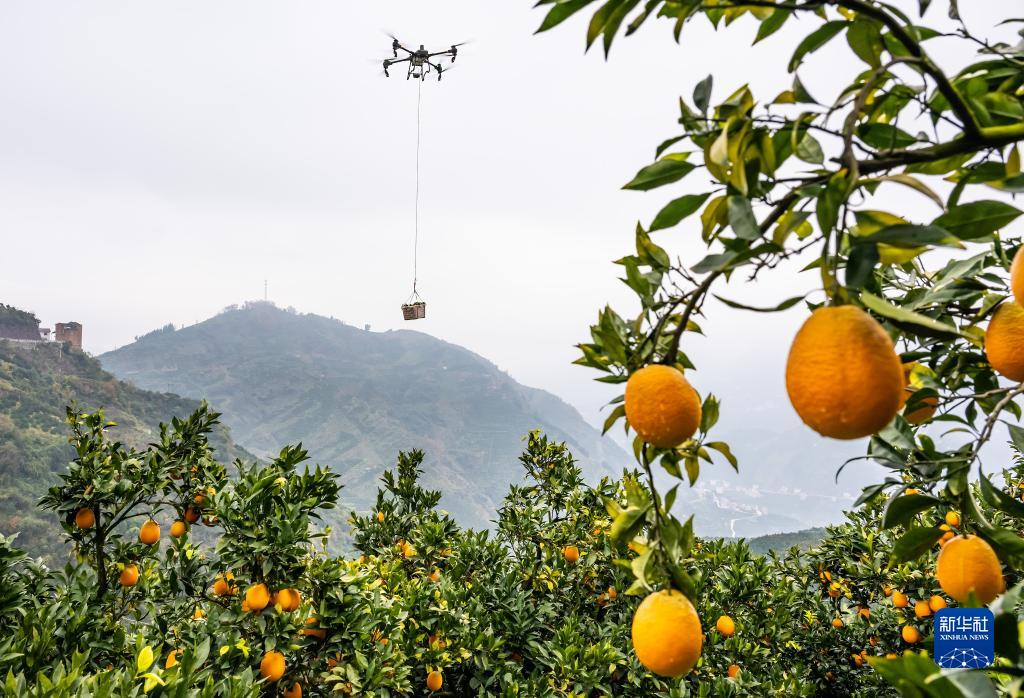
[(354, 398)]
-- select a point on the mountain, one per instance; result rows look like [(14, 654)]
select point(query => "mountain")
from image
[(354, 398), (37, 380)]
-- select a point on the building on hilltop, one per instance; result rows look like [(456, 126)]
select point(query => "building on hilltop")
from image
[(70, 332)]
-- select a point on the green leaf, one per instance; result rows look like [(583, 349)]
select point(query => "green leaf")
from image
[(865, 39), (677, 210), (772, 24), (561, 12), (724, 449), (902, 508), (709, 413), (915, 542), (977, 219), (809, 150), (998, 499), (788, 303), (887, 309), (702, 94), (860, 265), (815, 40), (670, 168), (628, 523), (884, 136), (909, 236), (741, 218)]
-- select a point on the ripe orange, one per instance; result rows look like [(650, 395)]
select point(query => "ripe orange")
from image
[(667, 635), (925, 409), (725, 626), (287, 599), (129, 575), (612, 594), (864, 612), (967, 563), (571, 554), (222, 585), (1017, 276), (843, 375), (662, 406), (198, 613), (294, 692), (380, 517), (149, 533), (922, 609), (733, 671), (946, 537), (191, 514), (178, 529), (936, 603), (911, 635), (172, 658), (953, 519), (407, 550), (435, 576), (858, 660), (272, 666), (899, 599), (257, 597), (434, 681), (85, 518), (318, 633), (1004, 340), (837, 622), (887, 590)]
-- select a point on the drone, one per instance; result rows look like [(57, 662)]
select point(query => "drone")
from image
[(419, 61)]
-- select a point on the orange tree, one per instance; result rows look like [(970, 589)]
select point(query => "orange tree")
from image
[(896, 337)]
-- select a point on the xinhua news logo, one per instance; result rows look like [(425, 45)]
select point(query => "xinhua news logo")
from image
[(964, 638)]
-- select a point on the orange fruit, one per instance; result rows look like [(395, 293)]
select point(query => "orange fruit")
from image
[(407, 550), (178, 529), (733, 671), (1017, 276), (198, 613), (725, 626), (257, 597), (667, 635), (887, 590), (864, 612), (380, 517), (318, 633), (434, 681), (191, 514), (891, 655), (837, 622), (662, 406), (899, 599), (936, 603), (571, 554), (967, 563), (287, 599), (294, 692), (149, 533), (922, 609), (612, 594), (843, 375), (272, 666), (946, 537), (925, 409), (858, 660), (1004, 341), (911, 635), (129, 576), (85, 518), (222, 585), (953, 519), (172, 658), (435, 576)]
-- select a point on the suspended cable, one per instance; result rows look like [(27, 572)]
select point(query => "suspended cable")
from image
[(416, 225)]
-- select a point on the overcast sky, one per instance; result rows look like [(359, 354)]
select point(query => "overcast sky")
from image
[(158, 161)]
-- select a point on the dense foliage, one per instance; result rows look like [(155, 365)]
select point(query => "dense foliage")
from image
[(37, 382), (802, 184)]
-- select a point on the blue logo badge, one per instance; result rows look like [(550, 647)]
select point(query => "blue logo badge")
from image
[(964, 638)]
